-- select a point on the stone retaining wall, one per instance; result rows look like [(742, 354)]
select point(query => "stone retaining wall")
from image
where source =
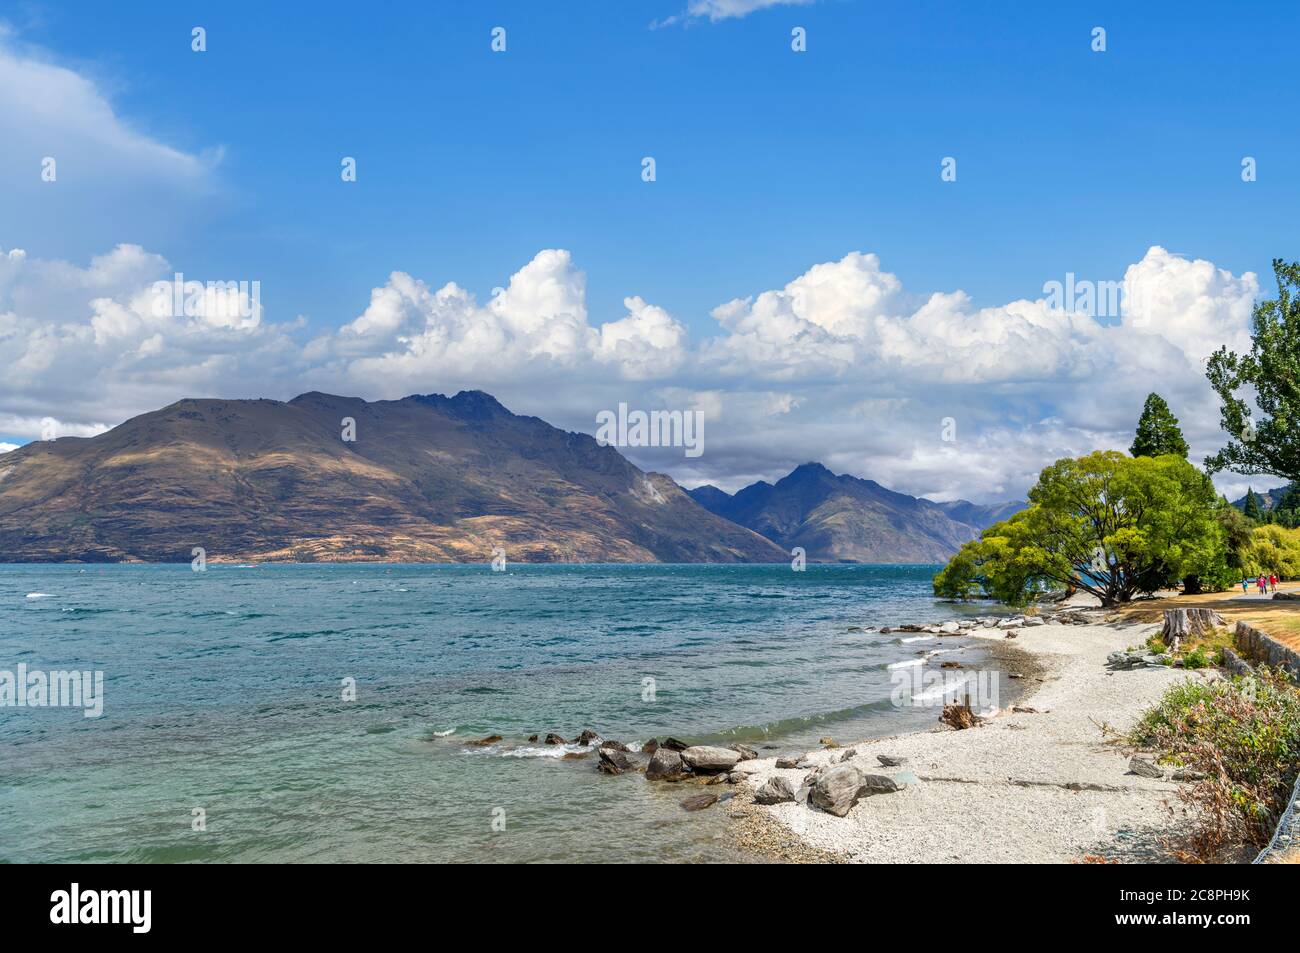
[(1259, 647), (1285, 846)]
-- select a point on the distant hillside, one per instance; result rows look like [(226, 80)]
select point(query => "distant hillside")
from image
[(846, 519), (1267, 498), (428, 478), (981, 517)]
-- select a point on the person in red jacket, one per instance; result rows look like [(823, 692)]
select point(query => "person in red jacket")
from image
[(1272, 579)]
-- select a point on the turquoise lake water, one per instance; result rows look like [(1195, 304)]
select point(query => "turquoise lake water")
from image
[(223, 693)]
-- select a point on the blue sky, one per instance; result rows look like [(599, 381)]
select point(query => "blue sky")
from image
[(768, 161)]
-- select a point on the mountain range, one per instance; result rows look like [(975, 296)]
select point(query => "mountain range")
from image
[(425, 478), (428, 478), (841, 518), (1267, 498)]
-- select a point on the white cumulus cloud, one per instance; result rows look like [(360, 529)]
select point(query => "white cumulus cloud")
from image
[(839, 364)]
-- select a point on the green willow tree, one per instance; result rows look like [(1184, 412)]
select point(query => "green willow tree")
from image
[(1157, 431), (1108, 524), (1272, 371)]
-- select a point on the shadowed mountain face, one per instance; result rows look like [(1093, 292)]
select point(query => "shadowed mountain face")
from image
[(428, 478), (845, 519)]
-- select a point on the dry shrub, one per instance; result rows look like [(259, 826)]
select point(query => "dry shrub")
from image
[(1243, 734)]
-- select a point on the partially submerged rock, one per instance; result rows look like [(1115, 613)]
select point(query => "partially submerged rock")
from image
[(613, 761), (698, 802), (484, 742), (665, 765), (587, 737), (554, 739)]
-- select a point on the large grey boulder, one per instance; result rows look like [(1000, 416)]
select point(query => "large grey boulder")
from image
[(777, 790), (665, 765), (707, 759), (836, 790)]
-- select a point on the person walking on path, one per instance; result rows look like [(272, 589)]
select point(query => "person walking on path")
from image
[(1261, 583), (1272, 580), (1245, 587)]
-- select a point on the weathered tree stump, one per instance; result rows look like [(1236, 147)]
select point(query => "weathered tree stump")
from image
[(1181, 623)]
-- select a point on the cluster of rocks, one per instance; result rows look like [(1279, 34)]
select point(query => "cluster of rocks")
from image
[(1138, 658), (673, 760), (834, 787), (989, 624)]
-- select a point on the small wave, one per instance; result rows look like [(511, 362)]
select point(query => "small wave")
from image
[(907, 664), (553, 752), (40, 595), (785, 726), (542, 751), (948, 687), (917, 638), (290, 636), (443, 734)]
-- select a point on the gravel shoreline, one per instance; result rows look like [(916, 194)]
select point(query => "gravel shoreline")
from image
[(1040, 786)]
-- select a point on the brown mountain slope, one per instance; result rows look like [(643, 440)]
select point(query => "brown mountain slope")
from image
[(428, 478)]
